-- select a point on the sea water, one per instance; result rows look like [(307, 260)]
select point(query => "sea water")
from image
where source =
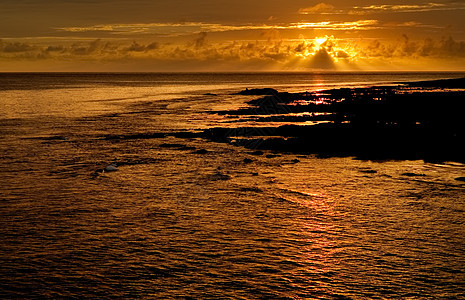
[(175, 222)]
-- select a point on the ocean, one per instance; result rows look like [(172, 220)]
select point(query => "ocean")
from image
[(187, 218)]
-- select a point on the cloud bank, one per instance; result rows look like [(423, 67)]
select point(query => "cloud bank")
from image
[(404, 8), (320, 8), (325, 53)]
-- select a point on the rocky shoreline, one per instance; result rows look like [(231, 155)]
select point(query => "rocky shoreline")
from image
[(408, 121), (418, 120)]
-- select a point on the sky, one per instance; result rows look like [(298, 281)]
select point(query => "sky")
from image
[(231, 35)]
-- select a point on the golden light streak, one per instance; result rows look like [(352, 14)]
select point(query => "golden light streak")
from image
[(357, 25), (167, 28), (196, 27), (406, 8)]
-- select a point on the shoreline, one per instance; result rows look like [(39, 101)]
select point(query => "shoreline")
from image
[(412, 120)]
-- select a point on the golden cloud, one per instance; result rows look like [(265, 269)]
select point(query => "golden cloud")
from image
[(321, 53), (165, 28), (356, 25), (406, 8), (320, 8), (198, 27)]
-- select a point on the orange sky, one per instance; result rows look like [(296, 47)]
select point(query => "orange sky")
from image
[(226, 35)]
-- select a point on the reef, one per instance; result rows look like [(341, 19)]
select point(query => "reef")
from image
[(417, 120)]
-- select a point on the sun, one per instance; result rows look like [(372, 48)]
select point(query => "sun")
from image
[(327, 52), (320, 40)]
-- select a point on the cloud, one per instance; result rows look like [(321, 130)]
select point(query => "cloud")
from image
[(55, 48), (390, 8), (331, 25), (342, 54), (14, 47), (164, 28), (319, 53), (189, 28), (86, 48), (198, 28), (200, 40), (320, 8), (446, 48), (302, 47), (404, 24), (136, 47)]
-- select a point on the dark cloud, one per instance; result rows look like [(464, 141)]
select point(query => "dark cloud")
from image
[(408, 8), (85, 48), (324, 53), (200, 40), (55, 48), (13, 47), (136, 47), (453, 48), (342, 54), (443, 48)]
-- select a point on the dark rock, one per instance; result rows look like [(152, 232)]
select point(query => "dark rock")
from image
[(412, 174), (201, 151), (460, 178), (186, 148), (369, 171), (111, 168), (56, 138), (377, 123), (257, 92), (187, 134), (258, 152), (220, 176), (247, 160)]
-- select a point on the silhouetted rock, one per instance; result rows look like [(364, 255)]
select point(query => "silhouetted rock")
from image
[(201, 151), (187, 134), (111, 168), (258, 153), (258, 92), (56, 138), (369, 171), (422, 120), (219, 176), (409, 174)]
